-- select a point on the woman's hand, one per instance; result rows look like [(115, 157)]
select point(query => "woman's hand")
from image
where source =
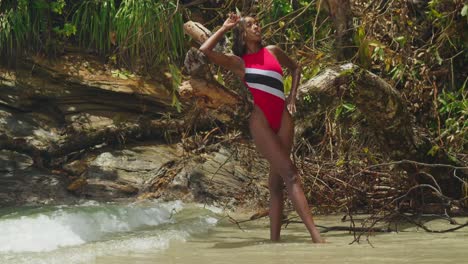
[(232, 21), (291, 103)]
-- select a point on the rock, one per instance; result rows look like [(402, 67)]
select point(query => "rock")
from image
[(220, 179), (32, 129), (73, 114), (11, 161), (22, 184), (63, 107), (107, 190), (77, 184), (76, 167), (121, 173), (134, 165)]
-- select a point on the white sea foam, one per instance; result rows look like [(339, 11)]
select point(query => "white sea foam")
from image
[(82, 234), (75, 226), (211, 208)]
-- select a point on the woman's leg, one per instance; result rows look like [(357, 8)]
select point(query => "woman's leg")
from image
[(276, 186), (275, 182), (270, 146)]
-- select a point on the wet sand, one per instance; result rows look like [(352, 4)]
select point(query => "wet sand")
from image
[(226, 243)]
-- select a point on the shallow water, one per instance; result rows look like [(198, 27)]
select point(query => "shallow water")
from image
[(225, 243), (188, 233)]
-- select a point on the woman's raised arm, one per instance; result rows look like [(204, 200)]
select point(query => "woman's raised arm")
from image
[(228, 61)]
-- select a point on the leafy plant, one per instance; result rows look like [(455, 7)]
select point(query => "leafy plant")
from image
[(148, 32), (28, 26), (94, 20), (344, 110), (15, 26), (176, 77), (67, 30), (454, 110)]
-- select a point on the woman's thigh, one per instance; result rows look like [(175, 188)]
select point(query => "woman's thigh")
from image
[(286, 131), (271, 145), (285, 134)]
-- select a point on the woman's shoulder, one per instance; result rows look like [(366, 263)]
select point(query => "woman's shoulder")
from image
[(272, 48), (275, 50)]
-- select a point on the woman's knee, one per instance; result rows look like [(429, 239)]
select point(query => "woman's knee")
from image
[(275, 183), (288, 172)]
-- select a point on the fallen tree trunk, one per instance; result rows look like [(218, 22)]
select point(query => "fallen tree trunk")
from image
[(389, 121), (382, 105), (223, 103)]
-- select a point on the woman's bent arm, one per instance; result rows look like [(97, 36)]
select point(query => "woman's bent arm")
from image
[(228, 61), (295, 71)]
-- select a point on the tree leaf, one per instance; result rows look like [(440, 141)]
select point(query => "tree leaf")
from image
[(464, 10)]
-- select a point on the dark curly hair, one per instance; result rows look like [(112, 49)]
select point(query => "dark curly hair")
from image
[(238, 45), (238, 33)]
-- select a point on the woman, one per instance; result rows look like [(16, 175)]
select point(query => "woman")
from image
[(270, 123)]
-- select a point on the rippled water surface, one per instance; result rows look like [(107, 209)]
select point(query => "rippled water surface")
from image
[(186, 233)]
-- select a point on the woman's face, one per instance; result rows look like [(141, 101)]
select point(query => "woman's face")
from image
[(253, 32)]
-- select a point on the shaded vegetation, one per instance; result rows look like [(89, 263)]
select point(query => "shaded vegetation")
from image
[(137, 35), (419, 47)]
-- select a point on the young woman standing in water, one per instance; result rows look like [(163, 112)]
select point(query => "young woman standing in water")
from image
[(270, 124)]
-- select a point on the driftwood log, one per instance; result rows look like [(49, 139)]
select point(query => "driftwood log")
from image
[(388, 119), (223, 103)]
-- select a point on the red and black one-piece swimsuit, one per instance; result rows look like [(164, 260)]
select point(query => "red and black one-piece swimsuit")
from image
[(264, 78)]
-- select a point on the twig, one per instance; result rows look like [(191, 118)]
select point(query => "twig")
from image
[(347, 228), (314, 28), (422, 186), (425, 228), (435, 165), (220, 166), (234, 221), (433, 179)]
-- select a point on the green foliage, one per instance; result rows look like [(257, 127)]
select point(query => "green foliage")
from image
[(364, 52), (433, 151), (94, 20), (287, 82), (122, 74), (397, 72), (15, 26), (378, 54), (421, 52), (309, 71), (148, 32), (67, 30), (464, 12), (57, 6), (344, 110), (286, 22), (176, 77), (32, 26), (454, 110), (143, 34), (280, 9), (219, 76)]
